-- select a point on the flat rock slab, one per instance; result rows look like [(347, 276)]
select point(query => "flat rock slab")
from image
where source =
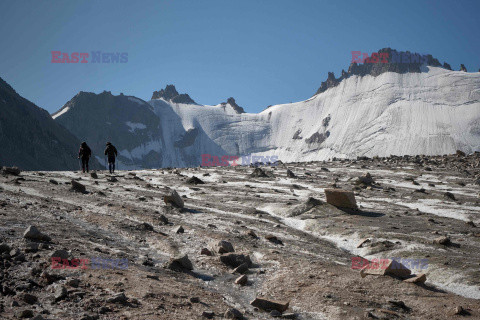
[(419, 278), (341, 198), (269, 305)]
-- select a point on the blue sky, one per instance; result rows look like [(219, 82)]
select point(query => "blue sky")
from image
[(259, 52)]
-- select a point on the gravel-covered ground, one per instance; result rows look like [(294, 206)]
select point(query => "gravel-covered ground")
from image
[(301, 253)]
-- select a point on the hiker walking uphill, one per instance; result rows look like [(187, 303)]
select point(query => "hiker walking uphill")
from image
[(84, 153), (111, 153)]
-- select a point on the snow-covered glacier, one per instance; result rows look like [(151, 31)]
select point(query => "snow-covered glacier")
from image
[(432, 112), (435, 111)]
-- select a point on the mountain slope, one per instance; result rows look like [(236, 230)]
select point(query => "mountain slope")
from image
[(126, 121), (30, 139)]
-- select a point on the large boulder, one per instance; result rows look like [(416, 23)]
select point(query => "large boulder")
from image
[(341, 198), (174, 199)]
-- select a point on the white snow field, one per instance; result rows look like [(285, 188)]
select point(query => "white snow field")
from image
[(433, 112)]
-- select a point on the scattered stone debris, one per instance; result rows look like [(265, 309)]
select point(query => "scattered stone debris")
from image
[(94, 175), (366, 180), (341, 198), (174, 199), (269, 305), (258, 173), (52, 181)]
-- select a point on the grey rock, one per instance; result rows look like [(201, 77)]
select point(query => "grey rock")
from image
[(233, 313), (63, 254), (118, 298), (180, 263), (224, 246), (78, 187), (242, 280), (234, 259), (290, 174), (4, 248), (24, 314), (33, 233), (194, 180), (60, 293), (208, 314), (14, 171), (174, 198), (243, 268)]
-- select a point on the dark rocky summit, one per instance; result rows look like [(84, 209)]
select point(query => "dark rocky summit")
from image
[(171, 94), (397, 61), (235, 106)]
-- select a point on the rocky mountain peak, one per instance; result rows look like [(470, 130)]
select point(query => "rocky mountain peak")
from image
[(170, 93), (235, 106), (397, 61)]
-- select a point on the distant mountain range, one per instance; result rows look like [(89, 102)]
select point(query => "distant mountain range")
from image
[(370, 110)]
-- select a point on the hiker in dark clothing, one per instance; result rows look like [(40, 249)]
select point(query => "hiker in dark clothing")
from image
[(111, 153), (84, 153)]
